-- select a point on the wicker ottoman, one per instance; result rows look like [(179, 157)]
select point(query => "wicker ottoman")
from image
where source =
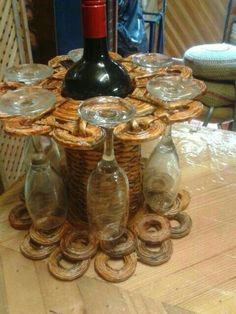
[(216, 64)]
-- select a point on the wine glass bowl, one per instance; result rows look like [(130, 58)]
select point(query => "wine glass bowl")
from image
[(173, 87), (28, 73), (106, 111), (151, 61)]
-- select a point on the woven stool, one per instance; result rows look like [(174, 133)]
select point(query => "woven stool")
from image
[(216, 64)]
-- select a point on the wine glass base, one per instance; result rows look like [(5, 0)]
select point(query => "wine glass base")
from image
[(26, 101), (28, 73), (173, 88), (106, 111), (151, 61)]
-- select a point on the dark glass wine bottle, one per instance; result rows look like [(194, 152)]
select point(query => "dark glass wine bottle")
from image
[(95, 74)]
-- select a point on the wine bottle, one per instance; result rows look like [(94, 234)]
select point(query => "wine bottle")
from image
[(95, 74)]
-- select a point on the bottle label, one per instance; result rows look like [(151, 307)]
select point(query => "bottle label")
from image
[(94, 18)]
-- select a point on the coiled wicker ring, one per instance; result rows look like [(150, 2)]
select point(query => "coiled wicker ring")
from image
[(19, 217), (148, 221), (57, 269), (84, 246), (33, 250), (50, 238), (115, 275), (184, 227), (23, 126), (180, 204), (142, 129), (123, 246), (153, 254)]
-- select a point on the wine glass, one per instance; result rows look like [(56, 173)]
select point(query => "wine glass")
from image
[(28, 73), (161, 176), (108, 186), (29, 100), (151, 62), (173, 87), (75, 54)]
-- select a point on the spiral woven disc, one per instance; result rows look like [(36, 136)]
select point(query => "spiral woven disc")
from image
[(115, 275), (35, 251), (19, 217), (180, 204), (182, 110), (153, 254), (145, 129), (123, 246), (65, 270), (23, 127), (6, 86), (55, 62), (184, 227), (142, 108), (77, 245), (49, 238), (52, 83), (141, 80), (68, 140), (144, 228), (59, 75), (68, 111)]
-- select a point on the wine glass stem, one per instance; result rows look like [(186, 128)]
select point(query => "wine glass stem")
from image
[(108, 153), (36, 143), (168, 131)]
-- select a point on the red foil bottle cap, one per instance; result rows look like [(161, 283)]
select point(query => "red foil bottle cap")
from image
[(94, 18), (93, 2)]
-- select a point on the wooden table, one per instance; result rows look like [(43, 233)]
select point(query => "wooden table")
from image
[(200, 276)]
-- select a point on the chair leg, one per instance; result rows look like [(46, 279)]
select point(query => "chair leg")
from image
[(208, 116)]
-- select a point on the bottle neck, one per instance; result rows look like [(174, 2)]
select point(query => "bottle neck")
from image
[(95, 48), (94, 29)]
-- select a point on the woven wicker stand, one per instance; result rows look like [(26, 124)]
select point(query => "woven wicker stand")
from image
[(148, 235)]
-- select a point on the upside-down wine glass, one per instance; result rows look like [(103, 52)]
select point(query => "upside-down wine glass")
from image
[(108, 186), (30, 101), (151, 62), (161, 176)]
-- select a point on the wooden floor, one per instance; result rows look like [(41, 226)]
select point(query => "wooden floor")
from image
[(200, 276)]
